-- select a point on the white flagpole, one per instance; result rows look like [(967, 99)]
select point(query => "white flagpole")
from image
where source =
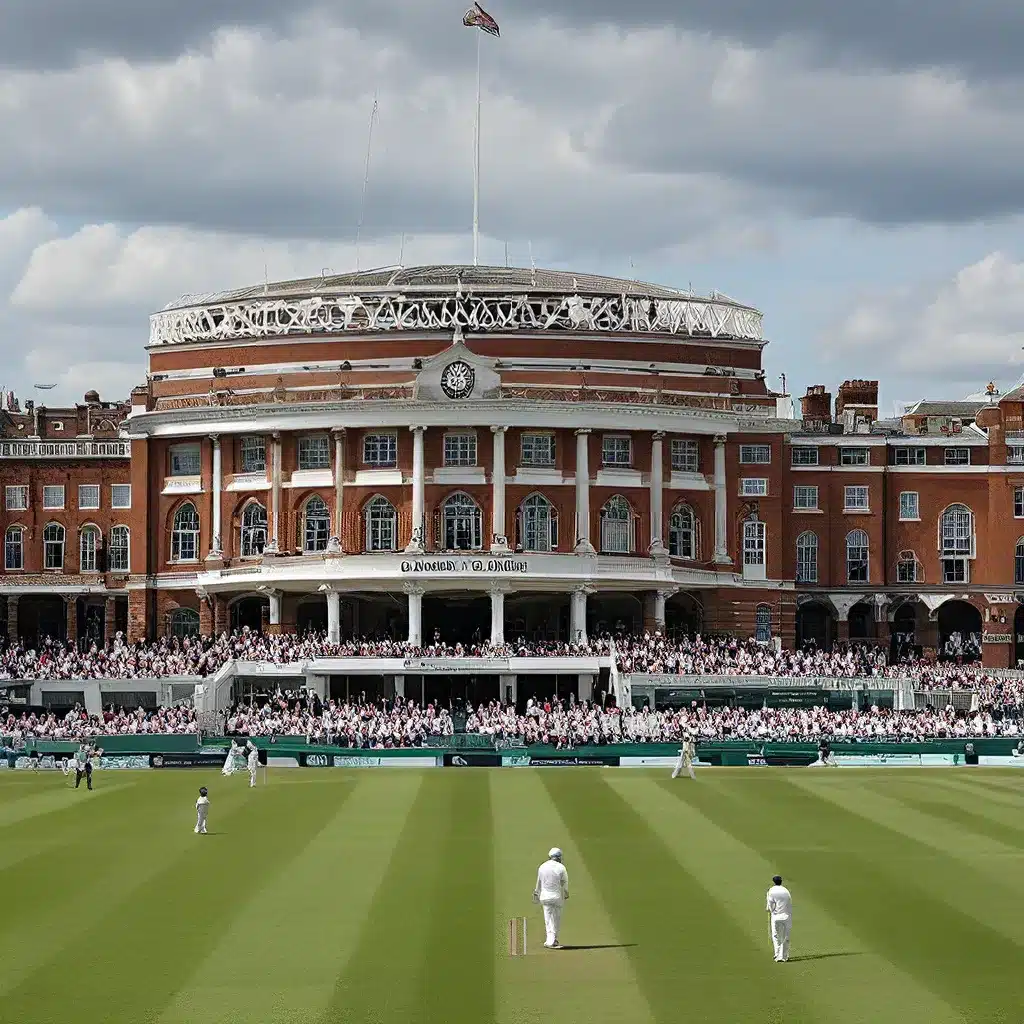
[(366, 179), (476, 160)]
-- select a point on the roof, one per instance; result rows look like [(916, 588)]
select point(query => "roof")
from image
[(961, 409), (455, 278)]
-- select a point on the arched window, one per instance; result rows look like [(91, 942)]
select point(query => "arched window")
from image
[(807, 558), (53, 546), (538, 524), (682, 533), (617, 526), (88, 549), (254, 530), (381, 525), (316, 528), (763, 624), (956, 543), (117, 550), (185, 534), (908, 568), (755, 566), (461, 523), (14, 548), (184, 622), (856, 557), (1018, 562)]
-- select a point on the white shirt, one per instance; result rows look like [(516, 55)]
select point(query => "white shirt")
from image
[(202, 804), (552, 882), (780, 902)]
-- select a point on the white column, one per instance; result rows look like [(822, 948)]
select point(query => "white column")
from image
[(333, 613), (583, 545), (415, 593), (275, 496), (659, 610), (499, 539), (334, 544), (585, 687), (400, 687), (216, 547), (721, 503), (578, 615), (657, 493), (416, 542), (497, 592), (505, 684), (275, 606)]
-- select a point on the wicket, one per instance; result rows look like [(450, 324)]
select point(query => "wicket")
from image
[(517, 936)]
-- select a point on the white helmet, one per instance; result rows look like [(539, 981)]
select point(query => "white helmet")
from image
[(554, 853)]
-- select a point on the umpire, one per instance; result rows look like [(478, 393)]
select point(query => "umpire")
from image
[(83, 764)]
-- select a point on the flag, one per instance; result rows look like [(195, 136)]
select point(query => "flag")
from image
[(477, 17)]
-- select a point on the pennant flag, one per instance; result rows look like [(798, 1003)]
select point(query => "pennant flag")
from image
[(477, 17)]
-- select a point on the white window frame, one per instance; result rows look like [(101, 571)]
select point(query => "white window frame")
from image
[(755, 550), (763, 624), (51, 502), (380, 449), (906, 455), (460, 448), (908, 514), (805, 497), (14, 540), (124, 490), (252, 453), (1018, 562), (853, 543), (682, 525), (1014, 454), (753, 487), (185, 540), (854, 457), (16, 497), (1018, 503), (381, 522), (538, 524), (956, 456), (185, 460), (537, 449), (86, 502), (755, 454), (905, 559), (613, 448), (618, 526), (315, 538), (807, 557), (59, 545), (89, 542), (856, 491), (316, 445), (461, 519), (805, 455), (115, 563), (685, 455), (253, 530)]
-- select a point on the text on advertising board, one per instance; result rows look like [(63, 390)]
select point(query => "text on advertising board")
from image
[(449, 566)]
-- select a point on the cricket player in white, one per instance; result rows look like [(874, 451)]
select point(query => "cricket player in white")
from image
[(780, 906), (202, 811), (229, 763), (686, 755), (551, 893), (253, 762)]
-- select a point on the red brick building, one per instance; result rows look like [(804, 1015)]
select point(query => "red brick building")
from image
[(491, 452)]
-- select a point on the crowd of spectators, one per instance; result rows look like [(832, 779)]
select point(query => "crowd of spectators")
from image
[(76, 724)]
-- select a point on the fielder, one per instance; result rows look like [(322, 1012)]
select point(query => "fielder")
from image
[(202, 811), (229, 763), (686, 755), (551, 892), (84, 757), (780, 906), (253, 761)]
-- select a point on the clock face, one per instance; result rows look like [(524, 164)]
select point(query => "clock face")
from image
[(457, 380)]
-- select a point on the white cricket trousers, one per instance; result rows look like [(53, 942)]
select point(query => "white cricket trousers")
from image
[(781, 927), (552, 922), (683, 764), (252, 776), (201, 821), (229, 765)]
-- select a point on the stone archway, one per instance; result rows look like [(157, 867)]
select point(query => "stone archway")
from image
[(959, 631), (815, 626)]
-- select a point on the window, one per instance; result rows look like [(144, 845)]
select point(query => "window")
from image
[(1018, 502), (380, 450), (956, 543), (53, 546), (617, 451), (958, 456), (53, 496), (16, 498), (755, 454), (908, 568), (908, 457), (461, 523), (909, 505), (381, 522), (855, 499), (185, 460), (682, 533), (538, 524), (314, 452), (1018, 562), (88, 548), (14, 548), (254, 530), (763, 624), (807, 558), (316, 528), (1015, 454), (804, 456), (753, 487), (853, 457), (856, 557), (185, 534), (537, 449), (117, 550), (754, 549), (460, 449), (121, 496), (183, 622), (617, 526), (89, 496), (685, 456), (252, 453), (805, 497)]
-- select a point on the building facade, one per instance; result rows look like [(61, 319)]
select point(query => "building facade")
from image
[(477, 453)]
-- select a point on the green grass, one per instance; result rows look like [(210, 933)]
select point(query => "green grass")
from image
[(383, 896)]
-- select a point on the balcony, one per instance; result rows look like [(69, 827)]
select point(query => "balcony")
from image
[(65, 449)]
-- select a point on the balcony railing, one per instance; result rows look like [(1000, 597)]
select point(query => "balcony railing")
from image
[(65, 449)]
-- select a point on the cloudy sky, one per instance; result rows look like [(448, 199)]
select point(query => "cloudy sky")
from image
[(854, 170)]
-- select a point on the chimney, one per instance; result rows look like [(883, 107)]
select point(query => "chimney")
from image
[(857, 405), (816, 408)]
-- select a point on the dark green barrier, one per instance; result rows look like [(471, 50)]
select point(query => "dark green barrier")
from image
[(120, 745)]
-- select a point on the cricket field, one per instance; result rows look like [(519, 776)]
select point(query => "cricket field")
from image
[(374, 896)]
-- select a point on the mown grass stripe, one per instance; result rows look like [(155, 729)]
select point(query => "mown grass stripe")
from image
[(691, 960), (426, 952)]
